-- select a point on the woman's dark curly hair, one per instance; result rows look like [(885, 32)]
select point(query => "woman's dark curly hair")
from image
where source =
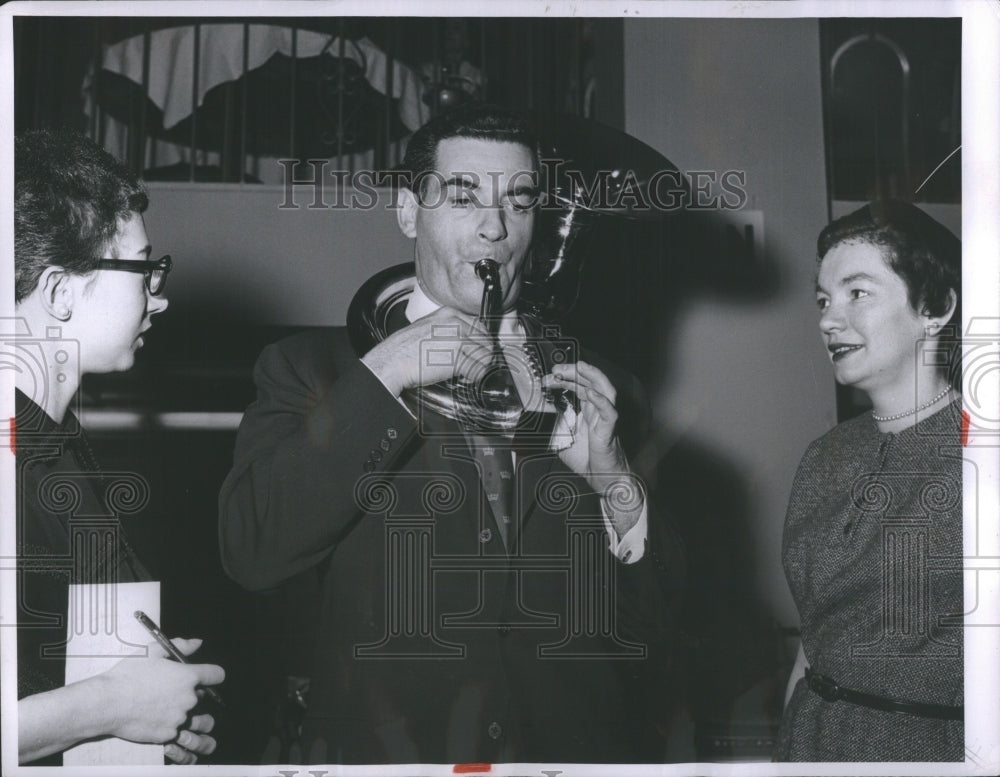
[(70, 199)]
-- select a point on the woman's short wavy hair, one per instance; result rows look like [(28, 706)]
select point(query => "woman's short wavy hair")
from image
[(922, 252), (71, 198)]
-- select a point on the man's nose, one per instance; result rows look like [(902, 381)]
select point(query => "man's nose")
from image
[(492, 224)]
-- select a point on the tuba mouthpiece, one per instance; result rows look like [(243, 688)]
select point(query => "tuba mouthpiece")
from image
[(490, 309), (486, 269)]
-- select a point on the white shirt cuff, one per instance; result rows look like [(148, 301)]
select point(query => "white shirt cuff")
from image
[(630, 548)]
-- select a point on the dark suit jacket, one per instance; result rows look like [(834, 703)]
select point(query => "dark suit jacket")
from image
[(436, 644)]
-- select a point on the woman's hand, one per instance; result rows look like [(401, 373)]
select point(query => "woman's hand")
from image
[(192, 741), (151, 697), (141, 698)]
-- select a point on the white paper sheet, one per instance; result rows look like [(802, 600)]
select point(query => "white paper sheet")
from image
[(101, 630)]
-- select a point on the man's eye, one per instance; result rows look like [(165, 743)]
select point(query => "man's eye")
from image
[(523, 202), (461, 200), (858, 293), (822, 303)]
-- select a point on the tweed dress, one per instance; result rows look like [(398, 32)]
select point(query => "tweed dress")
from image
[(872, 551)]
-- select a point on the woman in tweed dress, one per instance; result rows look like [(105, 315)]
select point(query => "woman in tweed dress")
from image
[(872, 542)]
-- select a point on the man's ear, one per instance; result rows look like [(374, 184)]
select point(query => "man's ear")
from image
[(56, 292), (406, 214), (934, 323)]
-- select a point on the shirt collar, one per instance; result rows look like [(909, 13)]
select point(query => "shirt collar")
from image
[(420, 305)]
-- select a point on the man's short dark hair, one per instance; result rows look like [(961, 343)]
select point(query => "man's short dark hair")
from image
[(70, 199), (478, 121)]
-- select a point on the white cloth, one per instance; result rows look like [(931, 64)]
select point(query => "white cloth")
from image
[(220, 59)]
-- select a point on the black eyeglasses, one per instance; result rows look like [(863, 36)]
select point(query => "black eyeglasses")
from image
[(155, 270)]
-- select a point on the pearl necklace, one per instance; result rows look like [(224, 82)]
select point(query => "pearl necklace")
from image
[(897, 416)]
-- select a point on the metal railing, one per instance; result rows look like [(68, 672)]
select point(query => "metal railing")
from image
[(423, 65)]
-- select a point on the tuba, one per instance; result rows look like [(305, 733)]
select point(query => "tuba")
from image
[(579, 186)]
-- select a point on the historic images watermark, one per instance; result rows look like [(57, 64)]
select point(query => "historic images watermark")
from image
[(26, 354), (311, 185), (585, 627), (980, 365), (911, 561), (92, 500), (584, 624)]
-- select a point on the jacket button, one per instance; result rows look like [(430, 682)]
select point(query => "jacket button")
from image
[(391, 433), (384, 444), (369, 466), (485, 536), (494, 730), (375, 455)]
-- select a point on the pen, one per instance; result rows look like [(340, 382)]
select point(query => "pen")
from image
[(172, 651)]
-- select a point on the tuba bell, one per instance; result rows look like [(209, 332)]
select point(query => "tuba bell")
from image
[(580, 185)]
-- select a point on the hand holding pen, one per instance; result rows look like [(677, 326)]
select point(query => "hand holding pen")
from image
[(152, 700), (172, 651)]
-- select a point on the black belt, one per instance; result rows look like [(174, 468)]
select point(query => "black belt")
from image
[(829, 690)]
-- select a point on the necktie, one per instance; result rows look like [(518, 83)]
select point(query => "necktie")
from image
[(497, 393), (497, 475)]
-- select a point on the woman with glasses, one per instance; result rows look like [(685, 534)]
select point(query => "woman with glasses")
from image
[(86, 292), (872, 545)]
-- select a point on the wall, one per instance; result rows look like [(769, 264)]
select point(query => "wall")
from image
[(748, 384), (237, 253)]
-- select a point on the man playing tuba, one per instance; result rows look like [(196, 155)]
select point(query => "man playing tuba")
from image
[(488, 593)]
